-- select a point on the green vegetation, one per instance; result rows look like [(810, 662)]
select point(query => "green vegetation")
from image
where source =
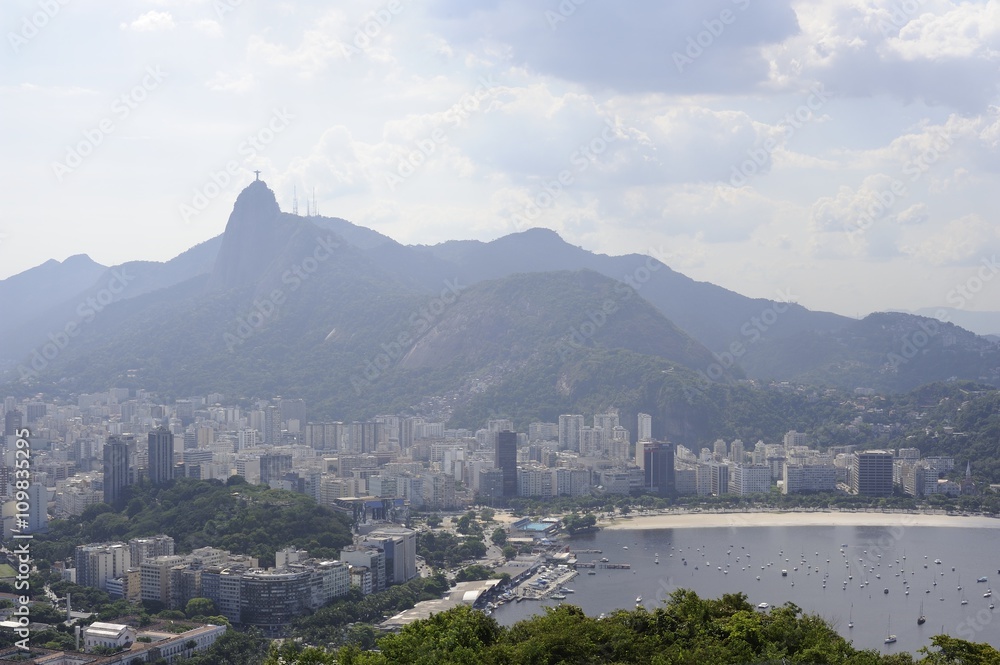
[(499, 537), (687, 629), (474, 573), (328, 624), (468, 525), (574, 523), (445, 550), (232, 648), (241, 518)]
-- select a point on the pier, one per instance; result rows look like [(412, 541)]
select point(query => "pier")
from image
[(600, 565)]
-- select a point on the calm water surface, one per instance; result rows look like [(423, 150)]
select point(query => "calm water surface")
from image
[(729, 560)]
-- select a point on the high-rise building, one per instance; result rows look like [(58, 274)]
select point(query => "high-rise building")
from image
[(116, 477), (750, 479), (400, 547), (293, 409), (658, 468), (719, 478), (645, 427), (505, 459), (569, 432), (272, 425), (809, 478), (720, 450), (161, 456), (141, 549), (606, 422), (871, 473), (273, 467), (793, 438), (38, 503), (325, 436), (12, 421), (490, 485), (97, 563), (372, 558), (737, 451), (364, 437)]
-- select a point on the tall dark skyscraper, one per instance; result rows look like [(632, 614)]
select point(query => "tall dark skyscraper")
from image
[(12, 421), (658, 465), (161, 456), (273, 467), (115, 471), (506, 461), (272, 426), (871, 473)]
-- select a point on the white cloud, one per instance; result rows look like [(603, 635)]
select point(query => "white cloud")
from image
[(223, 82), (208, 27), (963, 240), (151, 21)]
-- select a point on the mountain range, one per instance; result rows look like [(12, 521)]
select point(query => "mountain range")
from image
[(360, 324)]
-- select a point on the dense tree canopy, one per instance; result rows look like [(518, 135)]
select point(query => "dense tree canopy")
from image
[(687, 630), (241, 518)]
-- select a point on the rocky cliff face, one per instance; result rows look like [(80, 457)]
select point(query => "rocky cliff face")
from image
[(255, 235)]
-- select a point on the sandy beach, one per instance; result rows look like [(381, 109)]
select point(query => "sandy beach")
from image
[(708, 520)]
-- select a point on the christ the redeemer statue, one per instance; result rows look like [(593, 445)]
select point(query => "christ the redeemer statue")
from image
[(257, 173)]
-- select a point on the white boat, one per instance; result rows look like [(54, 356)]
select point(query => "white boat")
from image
[(638, 600), (981, 579), (850, 617), (558, 596), (762, 606), (889, 637)]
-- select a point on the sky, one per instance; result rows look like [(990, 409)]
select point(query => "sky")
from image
[(843, 154)]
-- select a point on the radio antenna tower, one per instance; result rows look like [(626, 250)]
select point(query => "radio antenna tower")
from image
[(295, 201), (315, 209)]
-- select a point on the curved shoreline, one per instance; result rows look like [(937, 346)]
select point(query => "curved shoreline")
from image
[(689, 520)]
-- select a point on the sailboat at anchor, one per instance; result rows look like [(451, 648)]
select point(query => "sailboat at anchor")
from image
[(889, 637)]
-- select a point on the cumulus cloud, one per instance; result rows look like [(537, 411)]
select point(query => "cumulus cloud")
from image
[(718, 40), (961, 241), (151, 21)]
